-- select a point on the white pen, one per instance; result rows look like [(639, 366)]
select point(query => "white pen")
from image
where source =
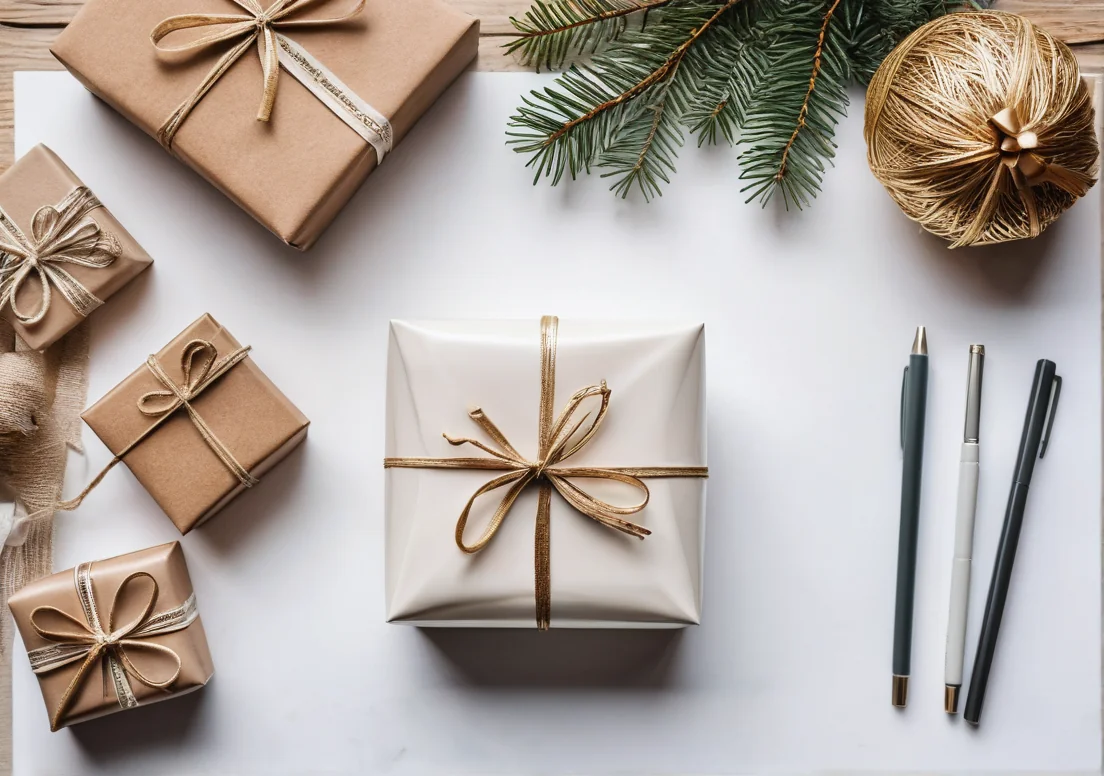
[(968, 469)]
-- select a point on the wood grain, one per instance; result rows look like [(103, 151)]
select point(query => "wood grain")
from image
[(494, 14)]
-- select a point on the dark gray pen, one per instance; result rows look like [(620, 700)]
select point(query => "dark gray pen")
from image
[(914, 402), (1046, 387)]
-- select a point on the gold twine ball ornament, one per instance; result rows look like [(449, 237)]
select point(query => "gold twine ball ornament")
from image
[(980, 127)]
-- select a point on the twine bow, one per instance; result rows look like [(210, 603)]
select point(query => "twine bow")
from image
[(1017, 146), (60, 234), (261, 25), (90, 642), (558, 440), (162, 404)]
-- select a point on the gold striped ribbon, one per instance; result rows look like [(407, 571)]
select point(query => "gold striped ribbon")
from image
[(60, 234), (91, 642)]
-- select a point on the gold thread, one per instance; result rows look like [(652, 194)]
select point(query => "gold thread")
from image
[(981, 128)]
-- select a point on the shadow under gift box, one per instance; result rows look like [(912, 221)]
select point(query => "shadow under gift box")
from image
[(437, 371), (295, 172), (247, 413), (92, 697), (40, 179)]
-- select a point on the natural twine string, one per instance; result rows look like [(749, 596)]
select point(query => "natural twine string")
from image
[(980, 128)]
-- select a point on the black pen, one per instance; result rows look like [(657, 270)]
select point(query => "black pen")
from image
[(1038, 424), (914, 402)]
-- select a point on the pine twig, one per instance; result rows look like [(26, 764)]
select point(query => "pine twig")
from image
[(804, 113), (553, 29), (657, 75)]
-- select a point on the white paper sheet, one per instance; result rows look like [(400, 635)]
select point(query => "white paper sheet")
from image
[(810, 316)]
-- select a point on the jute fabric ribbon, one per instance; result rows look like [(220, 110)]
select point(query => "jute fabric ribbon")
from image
[(60, 234), (90, 642), (1028, 169), (163, 404), (558, 439), (261, 25)]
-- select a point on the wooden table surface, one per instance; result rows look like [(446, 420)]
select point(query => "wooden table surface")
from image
[(27, 27)]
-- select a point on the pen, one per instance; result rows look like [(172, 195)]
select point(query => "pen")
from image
[(914, 400), (1045, 390), (968, 470)]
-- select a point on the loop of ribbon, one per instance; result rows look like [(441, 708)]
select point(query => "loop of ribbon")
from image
[(558, 439), (162, 404), (90, 642), (274, 49), (60, 234), (1017, 145)]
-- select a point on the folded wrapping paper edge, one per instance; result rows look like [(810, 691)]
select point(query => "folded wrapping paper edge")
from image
[(324, 211), (454, 64), (142, 260), (160, 558)]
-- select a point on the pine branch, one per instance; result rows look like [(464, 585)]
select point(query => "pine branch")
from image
[(730, 77), (604, 114), (553, 30), (768, 75), (803, 114), (788, 134)]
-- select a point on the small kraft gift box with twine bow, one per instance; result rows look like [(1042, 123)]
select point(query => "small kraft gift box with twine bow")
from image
[(545, 474), (197, 424), (114, 634), (285, 105), (62, 253)]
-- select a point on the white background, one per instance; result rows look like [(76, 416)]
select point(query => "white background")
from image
[(809, 319)]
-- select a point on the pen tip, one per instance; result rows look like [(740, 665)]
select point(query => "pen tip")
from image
[(900, 691), (950, 698), (920, 344)]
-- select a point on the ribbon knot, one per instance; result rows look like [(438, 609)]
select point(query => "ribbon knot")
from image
[(87, 640), (558, 439), (261, 25), (1017, 145), (60, 235), (162, 404)]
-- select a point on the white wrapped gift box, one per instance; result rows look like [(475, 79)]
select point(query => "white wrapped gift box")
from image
[(600, 577)]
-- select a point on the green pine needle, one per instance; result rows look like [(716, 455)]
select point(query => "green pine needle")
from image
[(554, 30), (769, 76)]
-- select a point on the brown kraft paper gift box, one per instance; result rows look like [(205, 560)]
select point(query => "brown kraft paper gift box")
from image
[(295, 172), (179, 630), (243, 409), (40, 179)]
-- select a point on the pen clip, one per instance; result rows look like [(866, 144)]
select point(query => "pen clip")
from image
[(1052, 407), (904, 392)]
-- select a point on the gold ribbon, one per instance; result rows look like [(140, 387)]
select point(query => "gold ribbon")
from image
[(164, 403), (91, 642), (60, 234), (1017, 146), (557, 441), (260, 25)]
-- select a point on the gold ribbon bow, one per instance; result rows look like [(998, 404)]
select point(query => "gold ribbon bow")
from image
[(164, 403), (90, 642), (1017, 145), (60, 234), (260, 25), (558, 440)]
